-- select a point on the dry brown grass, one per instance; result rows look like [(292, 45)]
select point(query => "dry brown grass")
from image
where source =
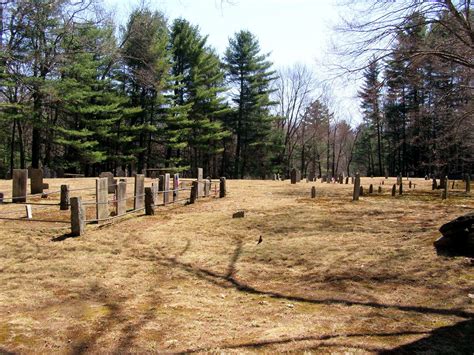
[(330, 276)]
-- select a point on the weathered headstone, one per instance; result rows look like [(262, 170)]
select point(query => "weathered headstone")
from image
[(78, 215), (347, 180), (161, 187), (20, 183), (313, 192), (149, 202), (371, 189), (361, 191), (111, 182), (1, 197), (293, 176), (166, 190), (101, 198), (121, 197), (409, 184), (222, 187), (400, 188), (120, 172), (64, 198), (200, 183), (399, 179), (36, 181), (380, 189), (468, 182), (442, 182), (394, 190), (434, 185), (207, 187), (139, 199), (356, 192), (444, 194), (155, 187)]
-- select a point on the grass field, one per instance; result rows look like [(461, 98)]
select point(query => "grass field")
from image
[(331, 275)]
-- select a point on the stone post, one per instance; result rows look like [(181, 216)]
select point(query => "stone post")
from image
[(101, 198), (111, 182), (149, 202), (36, 181), (222, 187), (194, 192), (121, 197), (313, 192), (356, 193), (20, 184), (139, 199), (175, 187), (200, 191), (207, 187), (78, 215), (64, 198), (161, 187), (166, 189)]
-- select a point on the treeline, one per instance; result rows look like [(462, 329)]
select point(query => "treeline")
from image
[(79, 95), (416, 100), (76, 97)]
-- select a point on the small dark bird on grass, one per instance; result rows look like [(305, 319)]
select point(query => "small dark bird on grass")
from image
[(260, 240)]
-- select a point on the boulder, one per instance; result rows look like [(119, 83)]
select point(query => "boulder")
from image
[(458, 235)]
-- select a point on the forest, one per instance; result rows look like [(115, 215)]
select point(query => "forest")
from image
[(80, 94)]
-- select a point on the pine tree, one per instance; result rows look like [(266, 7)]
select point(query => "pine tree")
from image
[(249, 73), (199, 83)]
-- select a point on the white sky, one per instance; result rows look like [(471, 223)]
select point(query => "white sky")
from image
[(292, 31)]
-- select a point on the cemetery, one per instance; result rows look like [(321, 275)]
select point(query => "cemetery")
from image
[(334, 260)]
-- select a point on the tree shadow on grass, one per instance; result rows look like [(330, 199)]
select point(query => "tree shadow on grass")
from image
[(230, 281), (453, 339), (290, 340), (63, 237)]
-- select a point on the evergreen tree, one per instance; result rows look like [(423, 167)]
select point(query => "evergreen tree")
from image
[(249, 73), (199, 83)]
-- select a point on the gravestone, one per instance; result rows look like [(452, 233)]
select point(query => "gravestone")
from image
[(1, 197), (101, 198), (347, 180), (361, 193), (121, 197), (394, 190), (356, 192), (139, 201), (400, 188), (409, 184), (399, 179), (111, 182), (222, 187), (120, 172), (238, 214), (155, 187), (313, 192), (371, 189), (380, 189), (468, 182), (434, 185), (293, 176), (20, 183), (36, 181)]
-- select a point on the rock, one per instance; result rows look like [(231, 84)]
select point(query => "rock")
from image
[(239, 214), (458, 235)]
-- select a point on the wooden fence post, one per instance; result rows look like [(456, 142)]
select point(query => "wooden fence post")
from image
[(222, 187), (78, 215), (355, 194), (64, 198), (149, 202)]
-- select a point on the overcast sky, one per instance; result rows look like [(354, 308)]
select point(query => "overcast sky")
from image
[(292, 31)]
